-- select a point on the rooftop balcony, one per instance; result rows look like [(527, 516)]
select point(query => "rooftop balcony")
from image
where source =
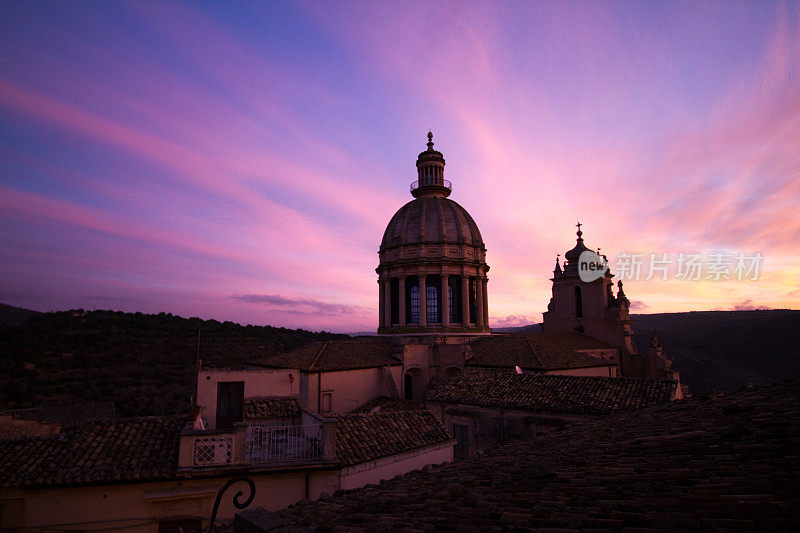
[(259, 445)]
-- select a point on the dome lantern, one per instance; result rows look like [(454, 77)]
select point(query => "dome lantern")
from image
[(430, 173)]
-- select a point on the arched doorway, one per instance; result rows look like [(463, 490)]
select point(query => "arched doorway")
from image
[(413, 385), (450, 372)]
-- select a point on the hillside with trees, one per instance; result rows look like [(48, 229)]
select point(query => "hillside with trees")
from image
[(144, 363), (717, 350)]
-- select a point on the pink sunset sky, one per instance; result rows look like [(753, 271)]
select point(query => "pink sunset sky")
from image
[(240, 161)]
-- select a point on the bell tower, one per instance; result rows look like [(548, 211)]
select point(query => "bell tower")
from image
[(588, 307), (587, 304)]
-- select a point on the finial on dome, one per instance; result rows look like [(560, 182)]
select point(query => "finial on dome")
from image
[(430, 140), (580, 233)]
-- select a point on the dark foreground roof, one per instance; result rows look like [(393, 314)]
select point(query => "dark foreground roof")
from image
[(140, 449), (347, 354), (552, 393), (260, 408), (68, 416), (537, 351), (366, 437), (725, 463)]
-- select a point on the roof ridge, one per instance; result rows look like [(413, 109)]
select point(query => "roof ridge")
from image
[(533, 351), (319, 354), (385, 413), (270, 398)]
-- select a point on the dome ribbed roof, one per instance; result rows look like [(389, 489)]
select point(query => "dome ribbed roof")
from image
[(431, 219)]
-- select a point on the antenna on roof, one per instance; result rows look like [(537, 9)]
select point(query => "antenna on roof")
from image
[(198, 364)]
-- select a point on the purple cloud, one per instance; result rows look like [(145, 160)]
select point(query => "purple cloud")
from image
[(296, 305)]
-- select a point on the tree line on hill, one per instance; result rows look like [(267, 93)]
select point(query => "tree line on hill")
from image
[(144, 363)]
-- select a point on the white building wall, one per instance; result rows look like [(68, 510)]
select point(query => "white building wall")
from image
[(357, 476), (257, 382), (601, 371)]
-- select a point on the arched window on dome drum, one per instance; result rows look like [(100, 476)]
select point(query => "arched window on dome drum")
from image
[(454, 295), (578, 302), (412, 300), (472, 293), (433, 303), (394, 294)]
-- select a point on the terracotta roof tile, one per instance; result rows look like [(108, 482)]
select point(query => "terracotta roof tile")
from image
[(386, 404), (552, 393), (729, 462), (334, 355), (13, 427), (537, 351), (101, 452), (274, 407), (575, 341), (366, 437), (68, 416)]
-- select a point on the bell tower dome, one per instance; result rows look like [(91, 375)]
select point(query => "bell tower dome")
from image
[(432, 261)]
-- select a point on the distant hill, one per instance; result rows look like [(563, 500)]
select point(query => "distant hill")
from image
[(13, 315), (533, 328), (144, 363), (725, 349)]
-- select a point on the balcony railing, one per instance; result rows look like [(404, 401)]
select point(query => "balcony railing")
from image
[(263, 445), (430, 183), (213, 450), (283, 444)]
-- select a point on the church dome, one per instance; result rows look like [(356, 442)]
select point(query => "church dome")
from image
[(431, 219), (432, 261)]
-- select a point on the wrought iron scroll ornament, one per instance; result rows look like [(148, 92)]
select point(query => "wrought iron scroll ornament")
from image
[(236, 498)]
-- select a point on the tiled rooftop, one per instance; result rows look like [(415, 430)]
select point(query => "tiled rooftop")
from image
[(146, 449), (334, 355), (12, 427), (385, 404), (725, 463), (274, 407), (537, 351), (552, 393), (576, 341), (68, 416), (101, 452), (366, 437)]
